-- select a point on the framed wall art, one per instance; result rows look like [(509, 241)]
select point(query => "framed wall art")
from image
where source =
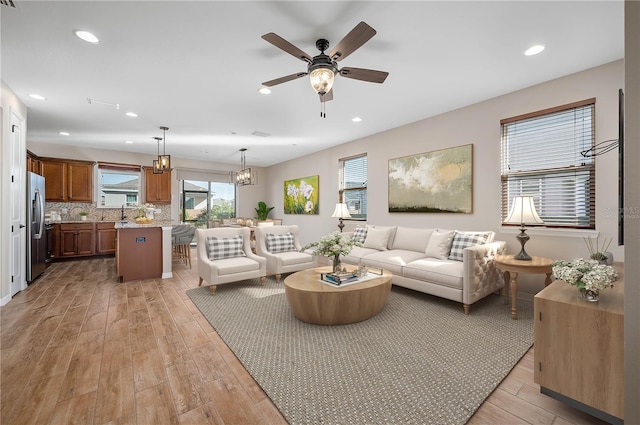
[(301, 195), (432, 182)]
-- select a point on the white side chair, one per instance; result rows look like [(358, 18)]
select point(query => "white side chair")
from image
[(222, 261), (283, 254)]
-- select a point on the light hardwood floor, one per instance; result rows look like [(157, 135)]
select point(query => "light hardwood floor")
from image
[(78, 347)]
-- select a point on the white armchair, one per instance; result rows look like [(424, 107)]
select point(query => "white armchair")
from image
[(283, 253), (227, 260)]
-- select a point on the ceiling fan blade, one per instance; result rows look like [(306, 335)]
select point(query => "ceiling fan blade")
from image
[(369, 75), (327, 97), (352, 41), (283, 44), (284, 79)]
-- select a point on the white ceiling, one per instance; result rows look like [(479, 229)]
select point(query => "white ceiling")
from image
[(195, 67)]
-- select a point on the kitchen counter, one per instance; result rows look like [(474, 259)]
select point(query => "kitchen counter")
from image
[(133, 224)]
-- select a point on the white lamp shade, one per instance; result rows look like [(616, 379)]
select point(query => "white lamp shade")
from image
[(341, 211), (523, 211)]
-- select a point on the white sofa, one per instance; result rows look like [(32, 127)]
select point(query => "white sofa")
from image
[(421, 259)]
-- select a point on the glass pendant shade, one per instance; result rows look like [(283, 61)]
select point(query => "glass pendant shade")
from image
[(156, 163), (321, 80), (164, 160)]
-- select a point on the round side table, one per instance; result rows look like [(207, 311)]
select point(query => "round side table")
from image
[(511, 267)]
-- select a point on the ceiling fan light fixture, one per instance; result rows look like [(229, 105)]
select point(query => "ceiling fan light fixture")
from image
[(321, 79)]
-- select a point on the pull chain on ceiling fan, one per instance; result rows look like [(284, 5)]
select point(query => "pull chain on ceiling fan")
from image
[(322, 69)]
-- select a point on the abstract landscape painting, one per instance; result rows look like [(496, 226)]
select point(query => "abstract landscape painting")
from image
[(301, 195), (432, 182)]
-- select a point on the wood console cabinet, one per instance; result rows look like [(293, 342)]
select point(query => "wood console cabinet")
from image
[(77, 239), (157, 187), (579, 349), (67, 181)]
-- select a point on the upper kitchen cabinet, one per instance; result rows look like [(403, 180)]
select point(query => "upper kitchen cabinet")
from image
[(67, 181), (157, 187), (33, 163)]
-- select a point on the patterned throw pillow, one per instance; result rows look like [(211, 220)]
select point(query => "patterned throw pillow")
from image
[(360, 234), (280, 242), (219, 248), (463, 240)]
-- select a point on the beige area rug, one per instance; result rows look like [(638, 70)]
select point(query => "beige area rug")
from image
[(420, 361)]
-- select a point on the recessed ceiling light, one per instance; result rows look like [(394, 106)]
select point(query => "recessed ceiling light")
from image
[(534, 50), (356, 119), (86, 36), (37, 96), (128, 142), (132, 114), (63, 133), (264, 90)]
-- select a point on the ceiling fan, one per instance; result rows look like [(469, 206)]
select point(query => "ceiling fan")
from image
[(323, 68)]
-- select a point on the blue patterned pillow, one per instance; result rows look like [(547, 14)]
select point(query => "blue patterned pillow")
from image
[(463, 240), (280, 242), (360, 234), (219, 248)]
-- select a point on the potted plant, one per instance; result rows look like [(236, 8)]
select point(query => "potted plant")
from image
[(83, 215), (263, 211)]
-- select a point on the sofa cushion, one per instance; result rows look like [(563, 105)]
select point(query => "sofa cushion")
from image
[(236, 265), (282, 242), (378, 237), (463, 240), (291, 258), (439, 244), (392, 260), (411, 239), (442, 272), (360, 234), (357, 253), (220, 248)]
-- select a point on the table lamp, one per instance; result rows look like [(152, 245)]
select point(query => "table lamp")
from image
[(523, 211), (341, 212)]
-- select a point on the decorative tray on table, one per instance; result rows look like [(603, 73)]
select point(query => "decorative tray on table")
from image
[(338, 279)]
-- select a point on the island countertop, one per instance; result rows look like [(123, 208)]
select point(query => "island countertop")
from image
[(134, 225)]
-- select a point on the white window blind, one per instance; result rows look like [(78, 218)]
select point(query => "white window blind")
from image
[(541, 157), (353, 185)]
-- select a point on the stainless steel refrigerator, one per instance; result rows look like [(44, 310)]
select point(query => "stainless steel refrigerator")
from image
[(36, 233)]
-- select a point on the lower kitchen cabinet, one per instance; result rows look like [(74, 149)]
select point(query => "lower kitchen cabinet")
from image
[(77, 239), (105, 238)]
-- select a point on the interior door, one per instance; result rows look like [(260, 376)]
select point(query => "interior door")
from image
[(18, 205)]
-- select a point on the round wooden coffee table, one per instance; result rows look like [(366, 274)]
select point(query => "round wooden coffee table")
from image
[(319, 303)]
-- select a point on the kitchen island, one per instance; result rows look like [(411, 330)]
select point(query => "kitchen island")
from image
[(143, 251)]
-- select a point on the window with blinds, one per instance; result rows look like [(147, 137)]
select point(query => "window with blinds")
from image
[(353, 185), (541, 157)]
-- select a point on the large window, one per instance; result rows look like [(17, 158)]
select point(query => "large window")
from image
[(118, 185), (542, 157), (203, 200), (353, 185)]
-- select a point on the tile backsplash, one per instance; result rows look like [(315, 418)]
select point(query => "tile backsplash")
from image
[(101, 214)]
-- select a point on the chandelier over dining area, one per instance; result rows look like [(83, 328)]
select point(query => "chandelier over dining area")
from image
[(244, 176)]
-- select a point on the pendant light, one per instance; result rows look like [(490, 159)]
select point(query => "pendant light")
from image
[(156, 164), (164, 160), (244, 177)]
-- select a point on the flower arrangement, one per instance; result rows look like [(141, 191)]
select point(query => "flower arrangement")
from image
[(333, 245), (587, 275)]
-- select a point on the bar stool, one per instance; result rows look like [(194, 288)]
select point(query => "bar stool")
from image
[(181, 238)]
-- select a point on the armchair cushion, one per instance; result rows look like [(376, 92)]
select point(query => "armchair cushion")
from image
[(220, 248), (463, 240), (282, 242)]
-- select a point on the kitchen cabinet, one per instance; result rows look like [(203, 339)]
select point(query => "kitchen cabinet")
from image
[(579, 349), (33, 163), (157, 187), (139, 253), (67, 181), (105, 238), (77, 239)]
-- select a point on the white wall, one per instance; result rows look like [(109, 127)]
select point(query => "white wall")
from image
[(632, 222), (9, 101), (478, 124)]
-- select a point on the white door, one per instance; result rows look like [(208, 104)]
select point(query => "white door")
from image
[(17, 205)]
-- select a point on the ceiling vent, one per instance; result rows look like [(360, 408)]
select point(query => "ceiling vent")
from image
[(9, 3), (260, 134)]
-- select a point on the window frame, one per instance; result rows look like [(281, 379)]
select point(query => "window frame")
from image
[(578, 171), (343, 191), (122, 169)]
